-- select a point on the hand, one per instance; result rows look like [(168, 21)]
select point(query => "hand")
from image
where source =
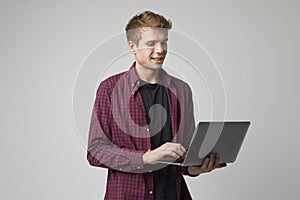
[(210, 163), (166, 152)]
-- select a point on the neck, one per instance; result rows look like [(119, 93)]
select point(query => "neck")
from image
[(147, 74)]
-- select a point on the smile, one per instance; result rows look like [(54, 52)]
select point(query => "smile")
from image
[(157, 58)]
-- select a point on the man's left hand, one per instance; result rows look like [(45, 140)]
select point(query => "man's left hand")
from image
[(210, 163)]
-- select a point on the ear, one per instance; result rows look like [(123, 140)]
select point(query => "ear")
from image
[(132, 46)]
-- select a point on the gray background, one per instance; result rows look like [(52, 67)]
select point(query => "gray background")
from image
[(255, 45)]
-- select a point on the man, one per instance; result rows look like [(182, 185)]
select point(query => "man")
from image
[(142, 116)]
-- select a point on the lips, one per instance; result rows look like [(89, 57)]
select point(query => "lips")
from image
[(157, 58)]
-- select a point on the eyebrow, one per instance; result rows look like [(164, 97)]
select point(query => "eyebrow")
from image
[(165, 40)]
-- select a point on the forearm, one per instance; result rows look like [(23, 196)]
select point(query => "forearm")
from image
[(113, 157)]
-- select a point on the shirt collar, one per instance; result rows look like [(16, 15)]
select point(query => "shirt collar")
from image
[(135, 83)]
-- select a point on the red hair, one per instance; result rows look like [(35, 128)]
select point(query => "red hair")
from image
[(145, 19)]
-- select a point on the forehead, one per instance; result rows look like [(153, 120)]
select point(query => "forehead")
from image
[(154, 34)]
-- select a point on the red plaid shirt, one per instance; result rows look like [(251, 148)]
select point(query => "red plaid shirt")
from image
[(119, 135)]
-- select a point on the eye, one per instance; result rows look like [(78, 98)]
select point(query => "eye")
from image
[(150, 43)]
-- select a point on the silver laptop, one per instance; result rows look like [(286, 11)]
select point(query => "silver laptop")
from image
[(223, 138)]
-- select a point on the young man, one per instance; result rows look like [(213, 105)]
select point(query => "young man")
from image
[(142, 116)]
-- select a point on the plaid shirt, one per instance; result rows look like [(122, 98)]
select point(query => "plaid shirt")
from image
[(119, 134)]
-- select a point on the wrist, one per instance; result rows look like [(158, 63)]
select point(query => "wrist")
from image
[(147, 158)]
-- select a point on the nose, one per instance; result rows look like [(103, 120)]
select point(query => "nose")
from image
[(158, 48)]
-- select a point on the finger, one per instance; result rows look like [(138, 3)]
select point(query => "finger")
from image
[(174, 155), (183, 157), (169, 156), (211, 162), (205, 163), (172, 151), (217, 161), (178, 148)]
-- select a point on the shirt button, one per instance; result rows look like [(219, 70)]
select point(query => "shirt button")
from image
[(121, 169), (138, 167), (150, 192), (147, 129), (132, 85)]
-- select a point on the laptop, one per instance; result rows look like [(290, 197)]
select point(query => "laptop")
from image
[(223, 138)]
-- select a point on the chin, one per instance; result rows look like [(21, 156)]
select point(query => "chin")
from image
[(155, 66)]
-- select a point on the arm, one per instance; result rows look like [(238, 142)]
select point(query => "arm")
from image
[(101, 152)]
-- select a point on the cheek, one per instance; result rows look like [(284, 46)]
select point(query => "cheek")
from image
[(145, 52)]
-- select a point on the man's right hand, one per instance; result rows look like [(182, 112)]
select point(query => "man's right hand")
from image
[(166, 152)]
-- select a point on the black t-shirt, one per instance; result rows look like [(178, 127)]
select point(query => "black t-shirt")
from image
[(153, 94)]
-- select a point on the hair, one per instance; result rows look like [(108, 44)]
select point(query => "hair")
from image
[(145, 19)]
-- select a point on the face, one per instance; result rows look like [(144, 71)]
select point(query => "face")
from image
[(151, 50)]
